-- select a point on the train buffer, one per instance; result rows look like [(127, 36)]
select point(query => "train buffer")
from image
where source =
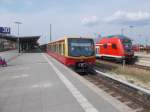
[(35, 82)]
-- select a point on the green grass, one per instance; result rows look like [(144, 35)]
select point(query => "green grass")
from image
[(139, 74)]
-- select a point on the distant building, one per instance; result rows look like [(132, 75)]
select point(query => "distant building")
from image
[(141, 48), (26, 43), (5, 43)]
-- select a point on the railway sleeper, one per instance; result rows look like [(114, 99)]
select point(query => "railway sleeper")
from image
[(130, 93)]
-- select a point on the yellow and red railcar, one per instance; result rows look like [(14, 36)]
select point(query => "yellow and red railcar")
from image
[(78, 53)]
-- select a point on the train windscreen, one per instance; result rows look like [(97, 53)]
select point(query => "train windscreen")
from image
[(127, 45), (80, 47)]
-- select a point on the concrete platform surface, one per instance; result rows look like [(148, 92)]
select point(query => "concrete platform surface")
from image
[(34, 82), (8, 55)]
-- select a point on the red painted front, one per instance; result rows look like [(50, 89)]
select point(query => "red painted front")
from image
[(109, 51), (70, 61), (119, 51)]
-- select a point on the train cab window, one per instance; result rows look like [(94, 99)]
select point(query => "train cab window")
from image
[(114, 46), (105, 46), (80, 47)]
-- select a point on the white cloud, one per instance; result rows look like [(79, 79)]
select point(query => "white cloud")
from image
[(129, 18), (90, 21)]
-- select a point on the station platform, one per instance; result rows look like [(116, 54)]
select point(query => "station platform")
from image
[(9, 55), (35, 82)]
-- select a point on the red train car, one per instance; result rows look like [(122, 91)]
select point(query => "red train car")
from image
[(117, 47), (78, 53)]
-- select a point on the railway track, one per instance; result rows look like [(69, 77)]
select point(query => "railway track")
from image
[(136, 98), (140, 66)]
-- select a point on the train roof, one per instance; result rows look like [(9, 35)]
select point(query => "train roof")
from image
[(118, 36), (66, 37)]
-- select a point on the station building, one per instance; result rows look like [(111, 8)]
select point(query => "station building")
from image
[(7, 42), (22, 43)]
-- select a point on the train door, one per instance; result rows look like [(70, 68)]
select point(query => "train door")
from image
[(105, 49), (97, 50), (109, 49), (113, 48)]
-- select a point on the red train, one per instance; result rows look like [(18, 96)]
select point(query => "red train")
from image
[(116, 47), (78, 53)]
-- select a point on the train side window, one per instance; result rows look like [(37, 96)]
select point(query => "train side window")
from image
[(59, 49), (52, 47), (55, 48), (105, 46), (63, 48), (49, 47), (114, 46)]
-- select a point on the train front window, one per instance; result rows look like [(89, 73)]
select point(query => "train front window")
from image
[(80, 47), (127, 45)]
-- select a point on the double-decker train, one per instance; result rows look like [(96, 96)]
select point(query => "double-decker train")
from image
[(116, 47), (78, 53)]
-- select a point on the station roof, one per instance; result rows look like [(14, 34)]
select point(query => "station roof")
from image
[(21, 38), (28, 38), (7, 37)]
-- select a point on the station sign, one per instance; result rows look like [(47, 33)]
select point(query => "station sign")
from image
[(5, 30)]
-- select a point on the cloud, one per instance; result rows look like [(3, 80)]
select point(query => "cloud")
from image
[(129, 18), (90, 21), (7, 1)]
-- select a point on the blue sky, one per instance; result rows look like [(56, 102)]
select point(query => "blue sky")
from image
[(78, 18)]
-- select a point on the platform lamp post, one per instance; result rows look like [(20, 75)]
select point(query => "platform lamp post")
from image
[(50, 32), (18, 23)]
